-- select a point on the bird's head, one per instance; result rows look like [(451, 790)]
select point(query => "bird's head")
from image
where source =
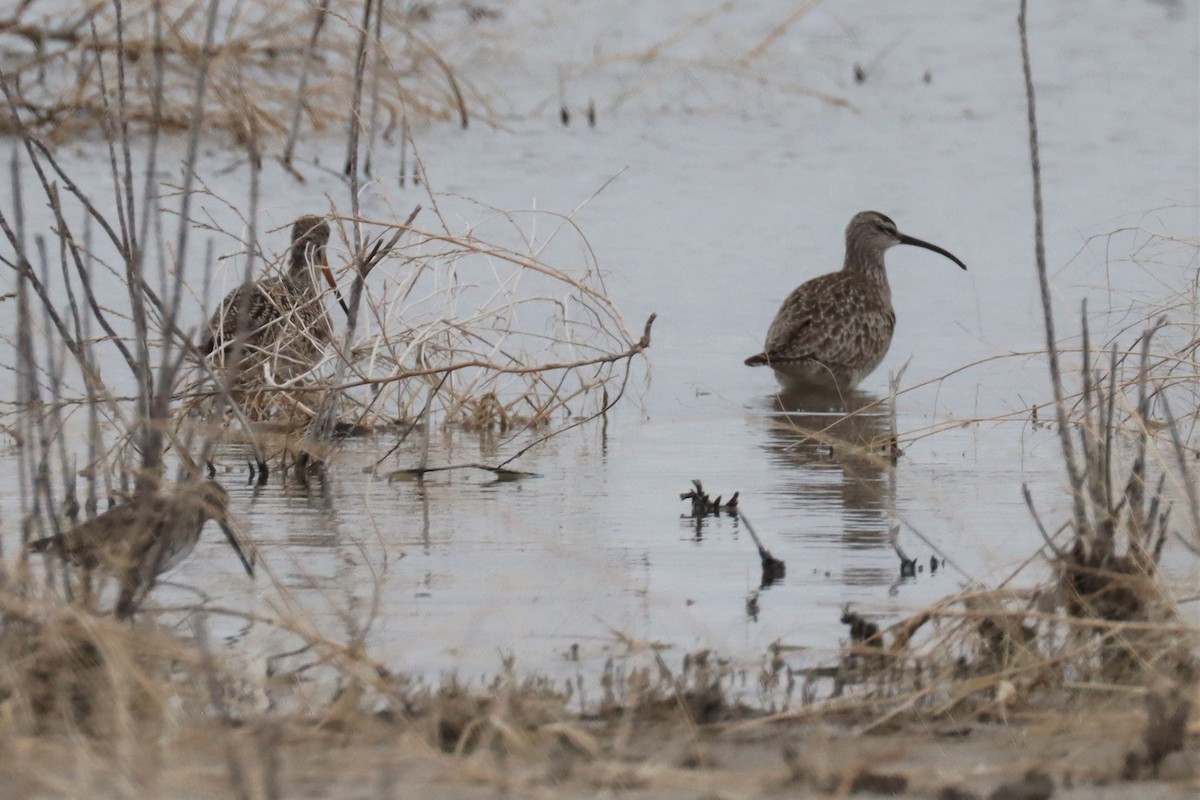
[(310, 235), (871, 233)]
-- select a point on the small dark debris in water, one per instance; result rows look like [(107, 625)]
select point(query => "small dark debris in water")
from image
[(564, 115), (1166, 727), (862, 630), (1034, 786), (704, 506), (351, 430), (956, 793), (860, 74), (752, 607), (591, 113), (773, 569), (908, 566), (259, 473), (878, 783), (927, 77), (308, 464)]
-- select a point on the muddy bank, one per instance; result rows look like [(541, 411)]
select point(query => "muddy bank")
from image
[(1075, 755)]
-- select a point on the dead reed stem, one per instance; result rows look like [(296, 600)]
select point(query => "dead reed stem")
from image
[(1039, 248), (302, 84)]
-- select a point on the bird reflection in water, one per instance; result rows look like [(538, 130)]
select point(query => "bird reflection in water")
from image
[(839, 450)]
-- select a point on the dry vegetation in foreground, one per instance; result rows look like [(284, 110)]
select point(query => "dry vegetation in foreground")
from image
[(151, 708)]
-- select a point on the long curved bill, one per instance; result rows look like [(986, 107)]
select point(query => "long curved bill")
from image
[(248, 563), (323, 263), (915, 242)]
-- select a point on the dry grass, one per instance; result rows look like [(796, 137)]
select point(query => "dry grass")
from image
[(1105, 624), (462, 331), (62, 65)]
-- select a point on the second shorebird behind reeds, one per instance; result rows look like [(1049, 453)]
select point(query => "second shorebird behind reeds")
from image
[(137, 541), (834, 330), (281, 318)]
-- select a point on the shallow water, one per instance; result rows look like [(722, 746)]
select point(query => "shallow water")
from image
[(736, 188)]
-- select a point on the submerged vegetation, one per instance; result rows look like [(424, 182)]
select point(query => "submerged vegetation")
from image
[(436, 326)]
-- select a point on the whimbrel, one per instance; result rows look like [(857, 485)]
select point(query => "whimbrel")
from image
[(281, 317), (832, 331), (138, 541)]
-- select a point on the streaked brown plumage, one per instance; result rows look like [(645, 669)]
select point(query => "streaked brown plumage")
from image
[(834, 330), (138, 541), (284, 317)]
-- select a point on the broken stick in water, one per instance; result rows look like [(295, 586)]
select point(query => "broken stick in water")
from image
[(772, 568)]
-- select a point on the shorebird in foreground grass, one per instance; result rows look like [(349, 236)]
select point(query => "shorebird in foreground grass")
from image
[(832, 331), (282, 316), (138, 541)]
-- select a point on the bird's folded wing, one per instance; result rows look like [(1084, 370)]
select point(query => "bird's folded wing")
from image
[(832, 328)]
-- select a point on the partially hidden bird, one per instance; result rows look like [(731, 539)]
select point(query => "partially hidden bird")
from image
[(282, 317), (834, 330), (138, 540)]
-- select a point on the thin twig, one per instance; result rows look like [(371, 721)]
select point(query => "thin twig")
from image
[(1039, 246), (302, 85)]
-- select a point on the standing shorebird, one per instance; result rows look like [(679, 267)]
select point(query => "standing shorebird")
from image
[(282, 317), (832, 331), (136, 542)]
